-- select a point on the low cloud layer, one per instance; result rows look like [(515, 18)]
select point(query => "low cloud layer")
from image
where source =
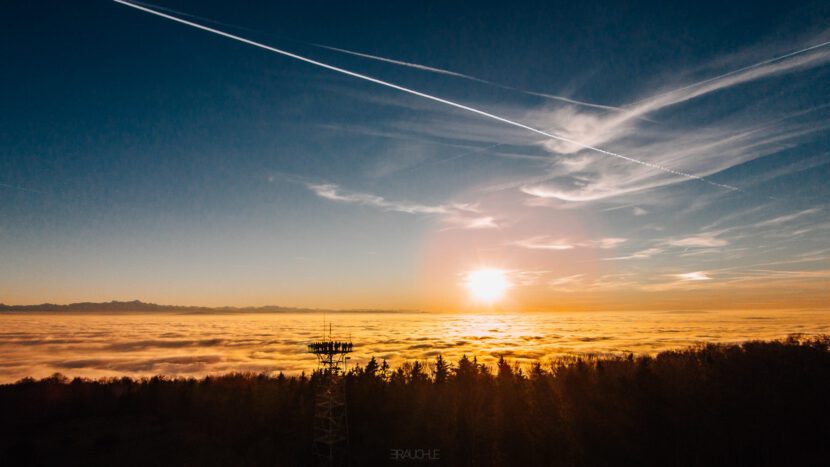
[(38, 345)]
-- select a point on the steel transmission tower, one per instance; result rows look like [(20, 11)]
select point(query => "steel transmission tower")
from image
[(331, 431)]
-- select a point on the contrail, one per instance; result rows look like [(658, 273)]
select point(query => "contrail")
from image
[(416, 66), (426, 96), (399, 62), (202, 18), (467, 77), (695, 84), (319, 46)]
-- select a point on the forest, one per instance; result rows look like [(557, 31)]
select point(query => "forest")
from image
[(755, 403)]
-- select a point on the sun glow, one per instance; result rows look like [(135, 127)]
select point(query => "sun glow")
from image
[(487, 285)]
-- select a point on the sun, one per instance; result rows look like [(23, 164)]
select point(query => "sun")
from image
[(487, 285)]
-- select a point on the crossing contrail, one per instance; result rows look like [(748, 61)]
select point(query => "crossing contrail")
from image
[(427, 96), (636, 112), (399, 62), (468, 77), (393, 61)]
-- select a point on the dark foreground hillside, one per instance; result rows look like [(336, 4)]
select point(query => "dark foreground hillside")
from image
[(760, 403)]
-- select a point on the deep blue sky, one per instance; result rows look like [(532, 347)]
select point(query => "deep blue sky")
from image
[(140, 158)]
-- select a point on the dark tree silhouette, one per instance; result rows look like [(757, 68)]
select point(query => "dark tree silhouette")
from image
[(442, 370), (758, 403)]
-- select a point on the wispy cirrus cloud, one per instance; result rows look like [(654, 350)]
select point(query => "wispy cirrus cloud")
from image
[(787, 218), (638, 211), (547, 243), (544, 243), (462, 220), (455, 215), (571, 283), (565, 280), (791, 224), (608, 242), (573, 131), (333, 192), (702, 240), (701, 243), (646, 155), (705, 150), (642, 254), (564, 175), (693, 276), (596, 129), (699, 149)]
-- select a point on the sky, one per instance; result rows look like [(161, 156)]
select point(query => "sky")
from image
[(633, 156)]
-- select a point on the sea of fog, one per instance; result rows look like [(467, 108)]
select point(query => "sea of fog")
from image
[(103, 345)]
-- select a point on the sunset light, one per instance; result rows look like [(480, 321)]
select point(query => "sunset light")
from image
[(441, 233), (487, 285)]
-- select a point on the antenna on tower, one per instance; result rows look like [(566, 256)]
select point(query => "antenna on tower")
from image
[(331, 432)]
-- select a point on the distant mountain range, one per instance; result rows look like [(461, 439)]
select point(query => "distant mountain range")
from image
[(136, 305)]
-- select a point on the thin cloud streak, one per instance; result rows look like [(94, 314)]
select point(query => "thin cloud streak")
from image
[(787, 218), (693, 276), (598, 129), (545, 243), (474, 223), (739, 70), (542, 243), (710, 150), (456, 216), (702, 240), (333, 192), (643, 254)]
